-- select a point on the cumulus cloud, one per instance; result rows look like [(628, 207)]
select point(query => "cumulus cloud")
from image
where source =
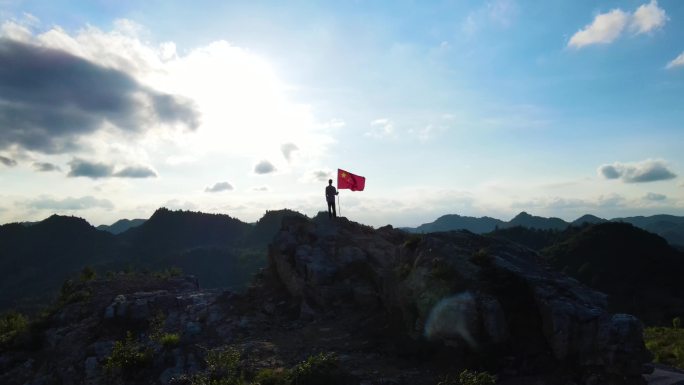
[(45, 167), (287, 149), (264, 167), (649, 170), (52, 98), (676, 62), (218, 187), (260, 188), (651, 196), (605, 28), (94, 170), (136, 172), (8, 161), (648, 17), (609, 26), (381, 128), (86, 202)]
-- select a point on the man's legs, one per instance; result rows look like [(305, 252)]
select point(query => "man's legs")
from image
[(331, 209)]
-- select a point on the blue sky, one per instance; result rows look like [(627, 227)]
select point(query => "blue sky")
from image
[(558, 108)]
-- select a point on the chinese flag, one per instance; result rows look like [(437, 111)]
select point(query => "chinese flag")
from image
[(345, 179)]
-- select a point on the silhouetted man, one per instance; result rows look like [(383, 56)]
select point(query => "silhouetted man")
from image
[(330, 192)]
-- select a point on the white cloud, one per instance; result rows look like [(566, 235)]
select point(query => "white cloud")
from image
[(609, 26), (648, 17), (15, 31), (605, 28), (676, 62), (649, 170), (381, 128)]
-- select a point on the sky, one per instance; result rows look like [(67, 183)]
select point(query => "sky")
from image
[(110, 109)]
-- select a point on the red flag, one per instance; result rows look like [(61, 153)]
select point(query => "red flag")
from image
[(345, 179)]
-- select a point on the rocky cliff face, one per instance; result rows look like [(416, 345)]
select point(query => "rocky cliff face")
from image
[(393, 308), (476, 295)]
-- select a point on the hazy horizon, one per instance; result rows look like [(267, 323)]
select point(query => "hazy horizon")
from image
[(311, 215), (110, 110)]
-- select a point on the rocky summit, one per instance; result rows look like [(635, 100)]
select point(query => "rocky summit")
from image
[(339, 303)]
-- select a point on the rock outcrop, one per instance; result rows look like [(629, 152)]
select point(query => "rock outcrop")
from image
[(476, 295), (392, 307)]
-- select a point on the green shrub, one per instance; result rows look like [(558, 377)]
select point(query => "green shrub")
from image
[(482, 257), (169, 340), (666, 344), (322, 368), (676, 322), (468, 377), (223, 361), (88, 274), (168, 273), (127, 358), (413, 242), (222, 368), (156, 326), (11, 324), (268, 376)]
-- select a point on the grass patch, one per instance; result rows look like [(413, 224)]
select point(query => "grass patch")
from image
[(268, 376), (127, 358), (666, 344), (169, 340), (323, 368), (12, 324)]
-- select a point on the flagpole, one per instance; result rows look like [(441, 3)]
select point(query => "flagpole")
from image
[(339, 207)]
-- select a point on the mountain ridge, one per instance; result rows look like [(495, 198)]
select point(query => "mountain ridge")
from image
[(670, 227)]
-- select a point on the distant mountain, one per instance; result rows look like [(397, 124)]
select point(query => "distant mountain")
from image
[(121, 225), (640, 271), (533, 222), (669, 227), (168, 229), (457, 222), (587, 219), (220, 250), (486, 224), (35, 260)]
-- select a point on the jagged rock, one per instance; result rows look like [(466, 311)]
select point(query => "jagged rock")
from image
[(91, 367), (466, 290), (193, 328)]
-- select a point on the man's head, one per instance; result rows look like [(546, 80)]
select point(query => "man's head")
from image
[(330, 182)]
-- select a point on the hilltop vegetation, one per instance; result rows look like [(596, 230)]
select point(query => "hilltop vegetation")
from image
[(220, 250), (640, 271)]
